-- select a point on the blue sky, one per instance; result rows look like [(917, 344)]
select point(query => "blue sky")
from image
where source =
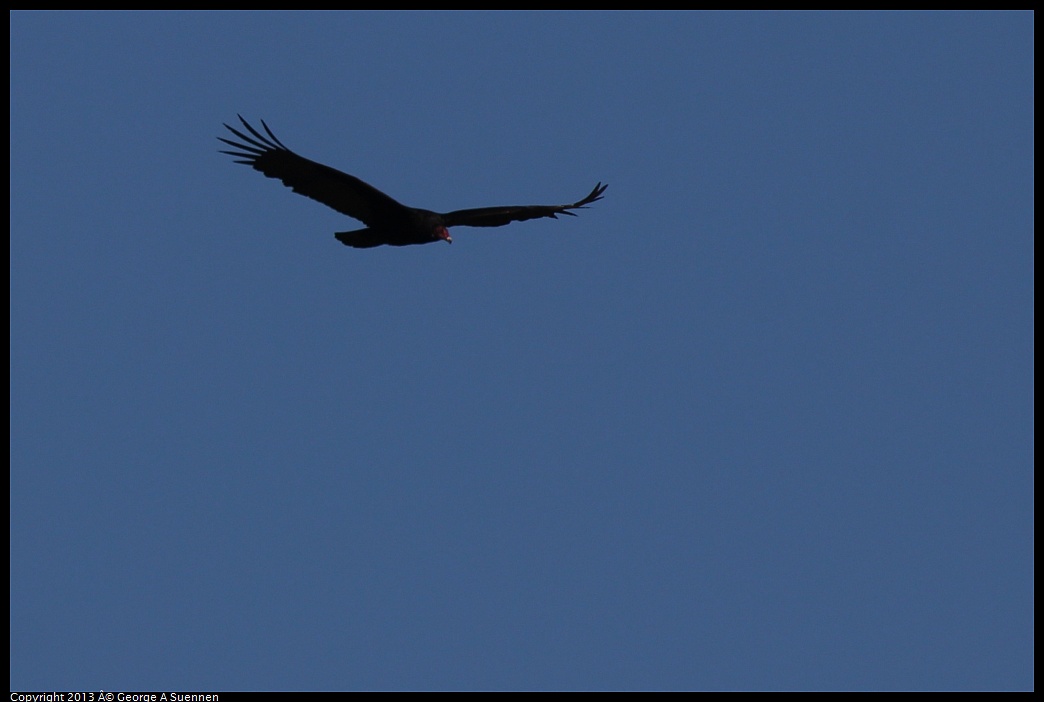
[(760, 419)]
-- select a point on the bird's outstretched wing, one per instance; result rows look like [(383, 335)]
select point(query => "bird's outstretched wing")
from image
[(499, 216), (344, 193)]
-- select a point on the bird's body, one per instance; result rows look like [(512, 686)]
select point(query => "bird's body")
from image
[(387, 220)]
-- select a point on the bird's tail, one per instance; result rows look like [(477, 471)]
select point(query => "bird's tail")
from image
[(359, 239)]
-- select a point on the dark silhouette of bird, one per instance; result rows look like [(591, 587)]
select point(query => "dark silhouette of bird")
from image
[(387, 220)]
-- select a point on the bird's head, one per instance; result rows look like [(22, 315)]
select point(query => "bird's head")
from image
[(443, 233)]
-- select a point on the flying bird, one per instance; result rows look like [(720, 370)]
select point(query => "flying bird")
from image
[(387, 220)]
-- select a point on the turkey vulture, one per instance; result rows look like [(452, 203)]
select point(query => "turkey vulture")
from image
[(388, 221)]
